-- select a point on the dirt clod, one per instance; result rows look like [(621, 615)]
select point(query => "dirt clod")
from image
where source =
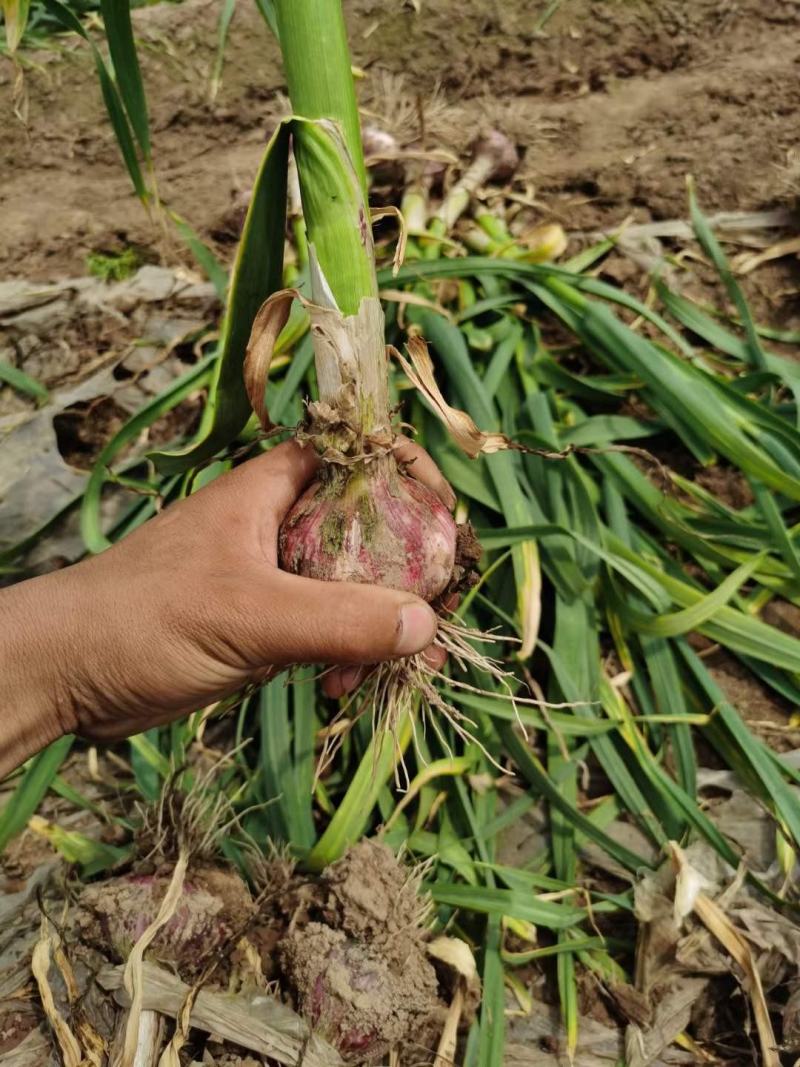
[(465, 568), (356, 961), (371, 896)]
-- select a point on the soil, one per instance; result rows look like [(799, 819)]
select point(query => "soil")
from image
[(767, 714), (613, 104), (215, 904), (355, 958), (346, 950)]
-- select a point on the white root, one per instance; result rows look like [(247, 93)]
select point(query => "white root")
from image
[(411, 687)]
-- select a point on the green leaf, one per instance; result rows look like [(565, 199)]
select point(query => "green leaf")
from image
[(712, 248), (355, 809), (575, 635), (119, 33), (316, 61), (334, 212), (287, 761), (211, 266), (275, 758), (669, 700), (301, 815), (23, 382), (497, 707), (91, 525), (679, 391), (225, 16), (91, 855), (146, 748), (607, 429), (16, 19), (257, 272), (286, 393), (266, 9), (149, 767), (490, 900), (491, 1034), (730, 627), (702, 611), (694, 318), (768, 507), (450, 346), (31, 789), (501, 359), (567, 944), (111, 97), (588, 256), (685, 806), (532, 770), (627, 565), (753, 751)]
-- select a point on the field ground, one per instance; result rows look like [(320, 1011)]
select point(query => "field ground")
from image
[(612, 104), (613, 101)]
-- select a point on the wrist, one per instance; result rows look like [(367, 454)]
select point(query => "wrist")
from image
[(35, 705)]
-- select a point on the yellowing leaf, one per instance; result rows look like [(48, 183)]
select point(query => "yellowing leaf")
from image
[(16, 16)]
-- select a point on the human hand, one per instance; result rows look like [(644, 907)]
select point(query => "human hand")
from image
[(192, 605)]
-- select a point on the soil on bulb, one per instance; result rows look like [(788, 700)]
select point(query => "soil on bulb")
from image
[(354, 958), (214, 905), (346, 949)]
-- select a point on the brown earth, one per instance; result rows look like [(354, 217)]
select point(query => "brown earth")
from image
[(613, 101), (354, 956), (348, 950)]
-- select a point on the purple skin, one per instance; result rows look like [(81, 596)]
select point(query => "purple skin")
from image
[(502, 151), (125, 908), (382, 528), (332, 1011)]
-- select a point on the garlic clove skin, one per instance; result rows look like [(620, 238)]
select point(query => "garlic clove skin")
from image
[(380, 527)]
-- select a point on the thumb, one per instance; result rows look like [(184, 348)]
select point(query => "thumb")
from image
[(342, 622)]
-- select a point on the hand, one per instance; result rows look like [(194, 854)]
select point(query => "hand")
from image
[(187, 609)]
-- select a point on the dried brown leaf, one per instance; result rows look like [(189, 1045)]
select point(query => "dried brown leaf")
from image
[(671, 1013), (391, 211), (35, 1050), (748, 261), (253, 1021), (47, 944), (462, 429), (717, 922), (134, 968), (270, 319), (791, 1022)]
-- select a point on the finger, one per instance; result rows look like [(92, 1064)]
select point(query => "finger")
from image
[(332, 683), (310, 621), (435, 656), (423, 468), (276, 478), (342, 680)]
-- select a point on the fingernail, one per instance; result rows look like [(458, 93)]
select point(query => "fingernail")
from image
[(449, 498), (350, 677), (416, 629)]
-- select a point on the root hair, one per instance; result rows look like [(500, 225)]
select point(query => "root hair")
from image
[(411, 687)]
